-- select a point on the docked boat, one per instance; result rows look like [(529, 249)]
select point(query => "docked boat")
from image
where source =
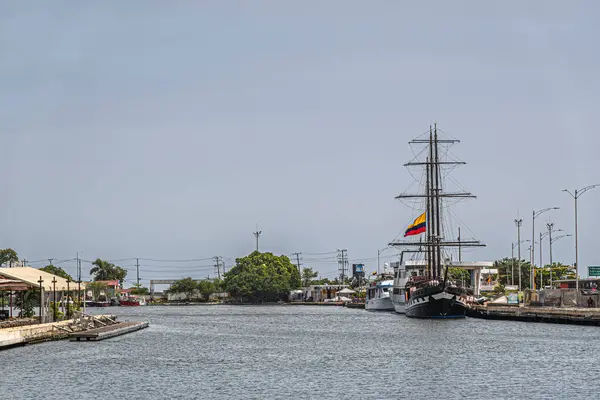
[(429, 292), (132, 301), (402, 271), (378, 296)]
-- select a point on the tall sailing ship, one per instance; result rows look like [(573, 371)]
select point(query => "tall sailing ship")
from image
[(431, 294)]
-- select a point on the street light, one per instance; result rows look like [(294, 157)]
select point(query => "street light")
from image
[(512, 272), (552, 240), (530, 249), (518, 223), (575, 196), (535, 215), (542, 236)]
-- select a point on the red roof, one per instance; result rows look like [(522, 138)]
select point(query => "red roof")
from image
[(114, 283)]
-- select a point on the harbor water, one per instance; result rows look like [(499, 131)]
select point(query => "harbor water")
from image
[(308, 352)]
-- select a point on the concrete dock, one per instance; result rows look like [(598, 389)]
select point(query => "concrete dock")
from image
[(107, 331), (27, 331), (562, 315)]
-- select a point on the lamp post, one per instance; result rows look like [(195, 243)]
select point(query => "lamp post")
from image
[(552, 240), (512, 274), (575, 196), (542, 236), (518, 223), (535, 215), (54, 308)]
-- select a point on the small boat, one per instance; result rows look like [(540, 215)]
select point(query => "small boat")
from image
[(132, 301), (379, 295)]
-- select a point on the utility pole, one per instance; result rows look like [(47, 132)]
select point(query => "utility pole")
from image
[(519, 222), (257, 235), (50, 261), (218, 266), (298, 262), (137, 270), (343, 262)]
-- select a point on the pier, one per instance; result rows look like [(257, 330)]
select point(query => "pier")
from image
[(107, 331), (563, 315)]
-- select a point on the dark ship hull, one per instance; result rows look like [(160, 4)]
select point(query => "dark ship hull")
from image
[(436, 303)]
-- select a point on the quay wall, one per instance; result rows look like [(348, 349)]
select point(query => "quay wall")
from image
[(24, 334)]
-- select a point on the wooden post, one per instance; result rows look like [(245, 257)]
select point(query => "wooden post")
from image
[(41, 300)]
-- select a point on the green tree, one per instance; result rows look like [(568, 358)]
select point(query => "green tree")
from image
[(506, 266), (58, 271), (8, 257), (96, 288), (262, 276), (26, 301), (218, 285), (459, 274), (139, 290), (206, 288), (106, 271), (308, 275), (186, 285)]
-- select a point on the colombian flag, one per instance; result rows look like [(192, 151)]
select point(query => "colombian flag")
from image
[(418, 226)]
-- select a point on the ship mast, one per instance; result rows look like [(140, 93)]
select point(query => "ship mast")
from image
[(434, 195)]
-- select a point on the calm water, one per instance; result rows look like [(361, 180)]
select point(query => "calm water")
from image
[(220, 352)]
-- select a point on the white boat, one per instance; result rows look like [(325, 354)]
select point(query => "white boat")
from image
[(402, 271), (379, 296)]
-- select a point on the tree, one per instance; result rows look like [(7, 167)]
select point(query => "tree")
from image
[(106, 271), (308, 275), (262, 276), (460, 275), (96, 288), (186, 285), (26, 301), (206, 288), (58, 271), (139, 290), (8, 257)]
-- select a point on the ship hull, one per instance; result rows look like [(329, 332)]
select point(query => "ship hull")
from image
[(436, 305), (399, 304), (379, 304)]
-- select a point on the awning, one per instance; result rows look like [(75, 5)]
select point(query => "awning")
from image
[(29, 277)]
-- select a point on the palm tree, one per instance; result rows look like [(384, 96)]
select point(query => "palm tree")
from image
[(103, 270)]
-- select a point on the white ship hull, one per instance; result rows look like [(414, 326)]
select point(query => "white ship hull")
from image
[(379, 304), (399, 304)]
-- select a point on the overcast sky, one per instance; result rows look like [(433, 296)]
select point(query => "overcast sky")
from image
[(167, 130)]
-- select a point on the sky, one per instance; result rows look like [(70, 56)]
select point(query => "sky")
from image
[(168, 131)]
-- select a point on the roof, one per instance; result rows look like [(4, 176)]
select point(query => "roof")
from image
[(114, 282), (30, 276)]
